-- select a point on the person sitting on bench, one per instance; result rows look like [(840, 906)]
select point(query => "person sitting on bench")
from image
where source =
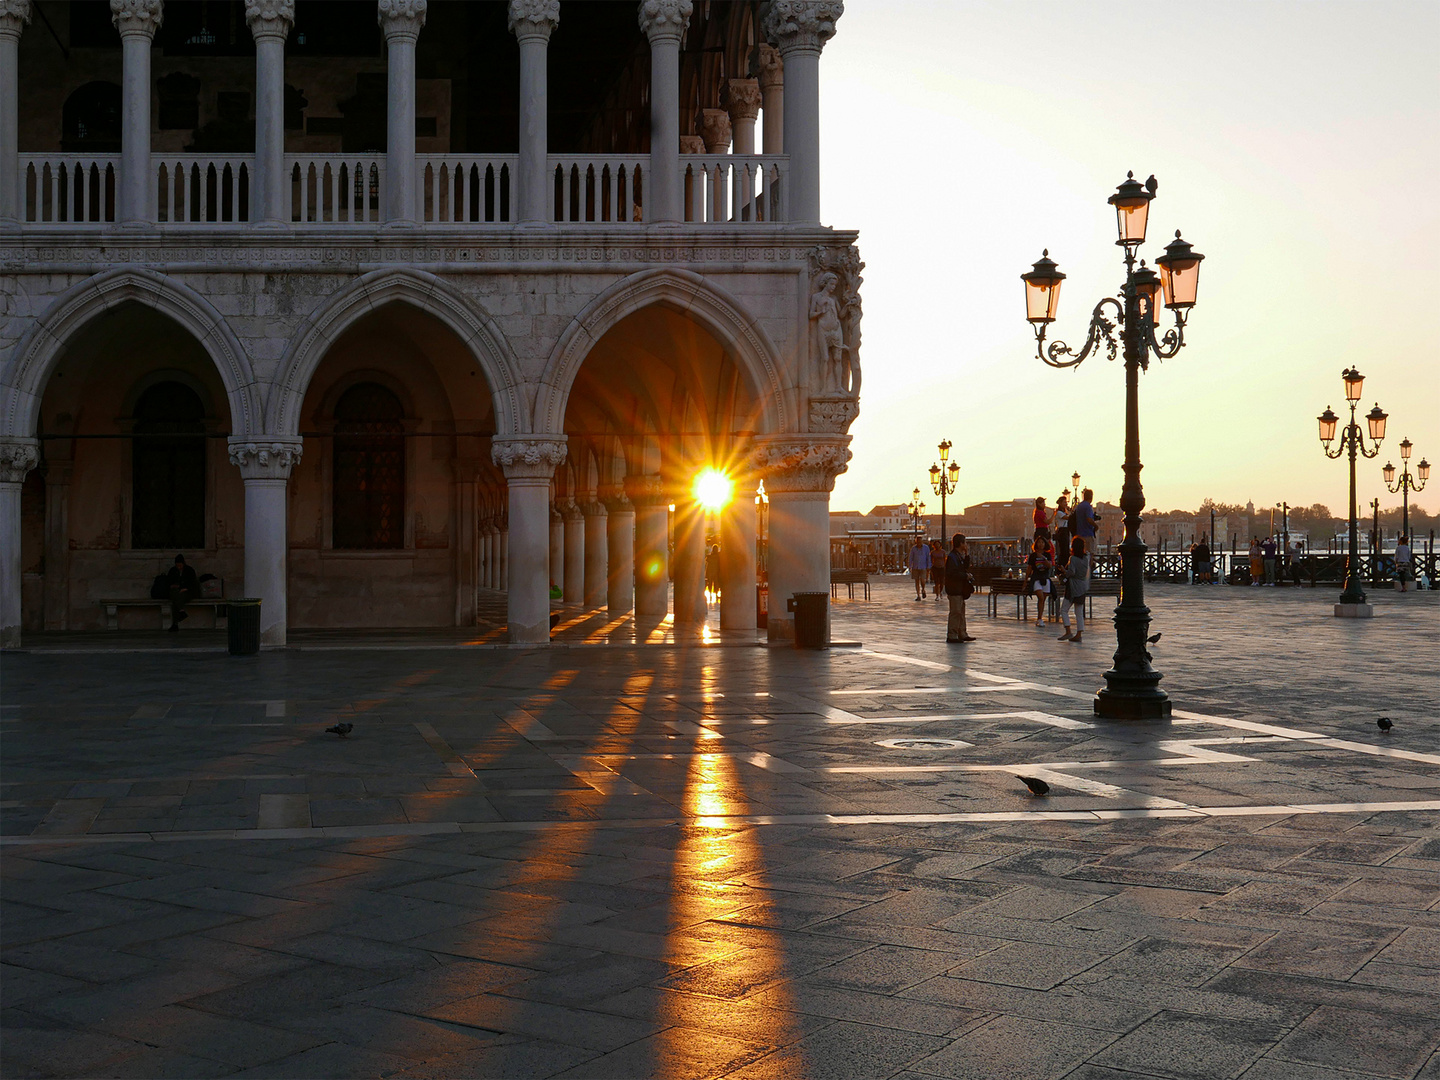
[(183, 587)]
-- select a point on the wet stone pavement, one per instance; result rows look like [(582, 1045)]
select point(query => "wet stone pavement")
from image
[(713, 859)]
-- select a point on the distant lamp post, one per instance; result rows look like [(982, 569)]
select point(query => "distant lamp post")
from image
[(1284, 562), (1132, 690), (915, 509), (1407, 483), (944, 478), (1352, 440)]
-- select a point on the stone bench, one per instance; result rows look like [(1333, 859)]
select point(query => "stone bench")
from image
[(113, 607)]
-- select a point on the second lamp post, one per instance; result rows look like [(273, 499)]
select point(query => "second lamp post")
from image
[(1407, 482), (1352, 600), (1132, 687), (944, 478)]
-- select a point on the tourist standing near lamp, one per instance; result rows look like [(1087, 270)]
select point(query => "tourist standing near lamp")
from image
[(958, 587), (1077, 587), (919, 563), (1039, 563), (1064, 530), (1085, 519), (1042, 518), (1404, 563), (937, 568), (1267, 551)]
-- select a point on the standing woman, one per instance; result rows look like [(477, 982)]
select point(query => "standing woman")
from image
[(937, 568), (1042, 518), (1077, 587), (1039, 564), (1257, 562), (1062, 531)]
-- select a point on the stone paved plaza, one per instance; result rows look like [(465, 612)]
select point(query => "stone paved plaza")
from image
[(719, 859)]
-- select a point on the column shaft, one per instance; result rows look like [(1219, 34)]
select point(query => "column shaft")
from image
[(690, 605), (802, 132), (737, 563), (799, 554), (534, 136), (135, 127), (10, 566), (652, 578), (529, 571), (620, 575), (502, 561), (556, 547), (266, 540), (468, 545), (597, 556), (401, 21), (772, 94), (13, 18), (664, 23), (269, 201), (574, 587), (57, 544)]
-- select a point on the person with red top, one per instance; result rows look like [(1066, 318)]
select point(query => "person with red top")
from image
[(1042, 518)]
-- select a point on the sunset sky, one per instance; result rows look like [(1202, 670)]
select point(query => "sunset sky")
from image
[(1297, 145)]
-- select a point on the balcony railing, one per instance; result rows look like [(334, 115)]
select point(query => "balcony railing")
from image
[(342, 190)]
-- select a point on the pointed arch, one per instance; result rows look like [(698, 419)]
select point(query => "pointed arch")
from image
[(690, 295), (421, 290), (42, 346)]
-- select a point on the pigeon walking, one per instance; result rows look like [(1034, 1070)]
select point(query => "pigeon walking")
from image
[(1384, 723), (1154, 639), (1035, 784), (341, 729)]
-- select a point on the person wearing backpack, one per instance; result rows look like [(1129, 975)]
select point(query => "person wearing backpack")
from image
[(1040, 563), (959, 587)]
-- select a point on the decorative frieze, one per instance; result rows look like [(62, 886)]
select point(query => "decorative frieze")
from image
[(268, 460), (833, 414), (792, 25), (790, 464), (17, 458), (534, 19), (137, 16), (269, 18), (533, 458)]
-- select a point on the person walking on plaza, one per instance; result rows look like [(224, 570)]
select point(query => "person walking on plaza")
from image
[(1039, 564), (1041, 518), (183, 586), (937, 568), (919, 566), (1267, 552), (958, 588), (1077, 587), (1404, 563), (1257, 562)]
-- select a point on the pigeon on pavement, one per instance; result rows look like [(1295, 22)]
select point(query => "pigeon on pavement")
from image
[(1035, 784), (341, 729), (1153, 640), (1384, 723)]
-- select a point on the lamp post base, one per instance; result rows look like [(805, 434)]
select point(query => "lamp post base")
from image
[(1154, 705), (1354, 611)]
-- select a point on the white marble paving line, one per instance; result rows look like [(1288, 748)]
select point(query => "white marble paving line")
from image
[(342, 832)]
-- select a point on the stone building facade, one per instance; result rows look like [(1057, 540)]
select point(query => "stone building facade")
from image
[(362, 367)]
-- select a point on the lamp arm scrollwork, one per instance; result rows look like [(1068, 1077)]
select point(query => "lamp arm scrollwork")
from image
[(1101, 329), (1173, 340)]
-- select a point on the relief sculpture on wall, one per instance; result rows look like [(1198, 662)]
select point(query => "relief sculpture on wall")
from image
[(835, 337)]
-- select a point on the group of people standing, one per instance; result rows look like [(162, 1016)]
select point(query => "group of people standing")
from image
[(1265, 557)]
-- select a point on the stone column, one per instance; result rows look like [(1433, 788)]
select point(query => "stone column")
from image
[(664, 23), (799, 473), (714, 126), (799, 29), (557, 546), (269, 22), (694, 177), (17, 457), (14, 15), (401, 21), (771, 71), (737, 561), (265, 467), (742, 100), (502, 560), (468, 542), (57, 542), (620, 540), (597, 555), (532, 22), (690, 605), (137, 21), (574, 586), (652, 543), (528, 464)]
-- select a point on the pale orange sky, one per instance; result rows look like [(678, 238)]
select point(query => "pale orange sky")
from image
[(1296, 144)]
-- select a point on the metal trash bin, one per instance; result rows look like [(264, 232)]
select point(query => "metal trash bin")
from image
[(243, 626), (812, 619)]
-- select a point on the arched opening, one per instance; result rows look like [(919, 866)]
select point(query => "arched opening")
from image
[(168, 469), (90, 119), (383, 526)]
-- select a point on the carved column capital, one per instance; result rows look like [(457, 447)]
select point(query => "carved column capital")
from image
[(17, 457), (270, 18), (768, 66), (741, 98), (14, 17), (647, 490), (595, 509), (533, 458), (612, 497), (662, 19), (265, 459), (692, 144), (534, 20), (399, 19), (801, 25), (792, 463), (137, 16), (573, 511), (714, 128)]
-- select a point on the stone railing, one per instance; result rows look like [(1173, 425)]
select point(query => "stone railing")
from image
[(466, 188), (336, 189), (730, 189), (68, 189), (326, 190), (607, 189)]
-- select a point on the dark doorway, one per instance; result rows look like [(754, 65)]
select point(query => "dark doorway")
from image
[(168, 469), (369, 469)]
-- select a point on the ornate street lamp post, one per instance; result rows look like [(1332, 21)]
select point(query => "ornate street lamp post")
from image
[(1407, 482), (1132, 690), (916, 508), (944, 479), (1352, 600)]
